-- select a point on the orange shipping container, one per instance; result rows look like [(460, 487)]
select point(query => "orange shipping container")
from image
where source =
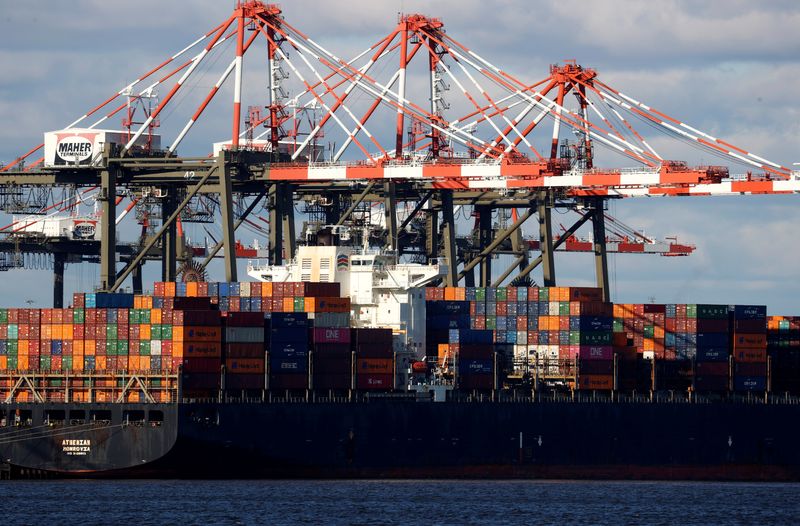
[(196, 334), (595, 382), (3, 363), (144, 363), (288, 304), (137, 302), (68, 332), (266, 289), (449, 294), (145, 331), (47, 332), (374, 366), (89, 347), (22, 362), (101, 363), (156, 316), (750, 355), (749, 341), (191, 289), (169, 289)]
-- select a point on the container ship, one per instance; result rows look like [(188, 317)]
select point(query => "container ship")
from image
[(366, 372)]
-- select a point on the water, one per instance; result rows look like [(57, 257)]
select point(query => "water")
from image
[(396, 502)]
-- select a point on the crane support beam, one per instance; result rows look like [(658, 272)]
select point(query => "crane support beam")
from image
[(59, 261), (432, 234), (214, 251), (287, 208), (136, 278), (498, 240), (108, 227), (449, 236), (169, 242), (154, 239), (568, 234), (226, 208), (415, 211), (390, 214), (275, 226), (600, 253), (546, 240), (357, 201), (484, 240), (516, 264)]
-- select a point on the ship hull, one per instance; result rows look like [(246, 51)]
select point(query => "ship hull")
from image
[(386, 439)]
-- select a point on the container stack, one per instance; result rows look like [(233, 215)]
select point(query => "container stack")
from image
[(244, 350), (197, 343), (288, 350), (712, 368), (283, 297), (374, 356), (749, 346), (332, 356), (783, 346)]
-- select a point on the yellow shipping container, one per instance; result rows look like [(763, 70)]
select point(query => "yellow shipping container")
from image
[(266, 289)]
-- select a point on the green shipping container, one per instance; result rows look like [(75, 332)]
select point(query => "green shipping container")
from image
[(502, 294), (66, 363), (618, 325), (3, 315), (144, 348), (691, 311), (122, 348), (712, 312), (111, 347), (44, 363), (563, 308), (480, 294), (111, 332), (595, 338), (13, 331), (78, 316), (649, 331), (544, 294), (166, 332), (13, 347), (574, 338), (156, 333), (299, 304), (491, 322), (144, 315), (12, 362)]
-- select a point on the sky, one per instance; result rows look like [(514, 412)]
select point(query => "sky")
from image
[(728, 67)]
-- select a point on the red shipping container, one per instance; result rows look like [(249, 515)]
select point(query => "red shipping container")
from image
[(605, 353), (369, 382), (749, 341), (750, 355), (331, 335), (711, 368), (245, 365)]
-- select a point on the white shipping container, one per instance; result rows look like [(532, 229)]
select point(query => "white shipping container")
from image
[(84, 146), (244, 334), (155, 348), (244, 289)]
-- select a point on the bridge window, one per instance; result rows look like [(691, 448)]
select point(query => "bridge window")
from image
[(101, 417), (77, 416), (133, 417), (54, 416), (156, 418)]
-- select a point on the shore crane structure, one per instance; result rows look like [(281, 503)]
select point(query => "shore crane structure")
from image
[(418, 120)]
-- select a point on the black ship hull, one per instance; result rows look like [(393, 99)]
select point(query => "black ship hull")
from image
[(404, 439)]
